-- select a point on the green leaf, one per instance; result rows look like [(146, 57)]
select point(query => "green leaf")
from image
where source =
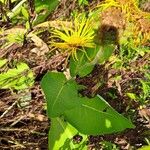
[(16, 10), (27, 25), (79, 67), (61, 136), (132, 96), (95, 116), (61, 94), (45, 6), (25, 13), (145, 148), (16, 37), (89, 116), (145, 87), (3, 62), (42, 4), (83, 65), (106, 52), (83, 2), (18, 78)]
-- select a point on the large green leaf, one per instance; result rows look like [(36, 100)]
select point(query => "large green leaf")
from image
[(83, 65), (95, 116), (61, 136), (61, 94), (43, 8), (89, 116)]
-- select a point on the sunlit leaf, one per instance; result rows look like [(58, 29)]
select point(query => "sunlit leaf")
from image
[(61, 136), (16, 10), (25, 13), (95, 116), (20, 77), (3, 62), (145, 148), (89, 116)]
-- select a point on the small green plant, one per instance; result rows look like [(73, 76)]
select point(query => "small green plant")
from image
[(143, 96), (72, 114)]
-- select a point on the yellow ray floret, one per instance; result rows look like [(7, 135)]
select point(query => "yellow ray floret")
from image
[(77, 37)]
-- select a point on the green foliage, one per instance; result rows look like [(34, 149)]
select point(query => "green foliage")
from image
[(61, 136), (43, 8), (18, 14), (105, 53), (20, 77), (146, 85), (144, 95), (56, 89), (3, 62), (25, 13), (17, 37), (144, 148), (83, 65), (88, 116), (16, 10), (59, 133), (108, 146), (26, 16), (80, 67), (97, 116), (83, 2), (20, 11), (145, 88)]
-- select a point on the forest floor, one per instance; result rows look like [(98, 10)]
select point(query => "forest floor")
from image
[(27, 127)]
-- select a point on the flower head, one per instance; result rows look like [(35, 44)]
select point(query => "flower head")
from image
[(77, 37)]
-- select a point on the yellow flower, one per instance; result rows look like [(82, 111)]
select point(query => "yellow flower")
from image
[(77, 37)]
